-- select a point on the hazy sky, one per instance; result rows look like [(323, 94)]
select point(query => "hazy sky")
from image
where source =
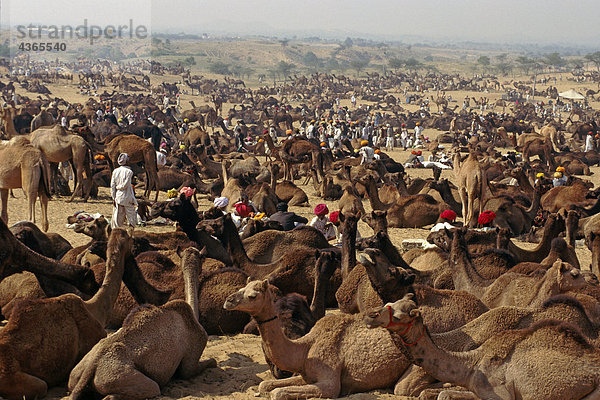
[(526, 21)]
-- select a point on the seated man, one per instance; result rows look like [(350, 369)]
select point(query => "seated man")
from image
[(287, 219)]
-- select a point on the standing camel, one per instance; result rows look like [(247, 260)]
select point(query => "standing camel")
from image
[(139, 150), (59, 146), (472, 184), (24, 166)]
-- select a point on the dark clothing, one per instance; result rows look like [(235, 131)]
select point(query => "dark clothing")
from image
[(287, 219)]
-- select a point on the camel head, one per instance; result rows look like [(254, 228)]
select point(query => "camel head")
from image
[(326, 264), (568, 277), (388, 281), (214, 227), (173, 209), (254, 297), (395, 316), (377, 220), (97, 229)]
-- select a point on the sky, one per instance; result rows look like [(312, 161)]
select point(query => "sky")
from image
[(498, 21)]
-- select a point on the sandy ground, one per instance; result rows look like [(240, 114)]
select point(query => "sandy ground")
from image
[(241, 365)]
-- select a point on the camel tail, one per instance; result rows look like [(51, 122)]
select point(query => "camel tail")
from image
[(45, 176)]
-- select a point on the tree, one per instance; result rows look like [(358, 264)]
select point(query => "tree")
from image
[(348, 43), (331, 64), (484, 61), (359, 65), (554, 60), (594, 58), (285, 68), (412, 64), (504, 67), (395, 63), (312, 61), (219, 67), (525, 63), (189, 61), (284, 42)]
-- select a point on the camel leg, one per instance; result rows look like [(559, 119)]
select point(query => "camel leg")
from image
[(21, 385), (4, 198), (414, 380), (78, 183), (266, 386), (30, 181), (328, 388), (463, 199), (129, 383), (595, 395), (190, 366), (44, 207)]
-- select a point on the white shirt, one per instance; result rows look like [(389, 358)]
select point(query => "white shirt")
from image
[(324, 226), (589, 143), (367, 154), (120, 187), (161, 159)]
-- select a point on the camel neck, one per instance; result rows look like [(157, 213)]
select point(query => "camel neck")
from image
[(102, 302), (349, 246), (287, 354), (188, 222), (373, 194), (446, 195), (141, 290), (190, 266), (465, 277), (234, 245), (551, 230), (453, 367)]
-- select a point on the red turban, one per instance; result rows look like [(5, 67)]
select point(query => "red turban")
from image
[(321, 209), (243, 210), (448, 214), (486, 217), (334, 216), (265, 132)]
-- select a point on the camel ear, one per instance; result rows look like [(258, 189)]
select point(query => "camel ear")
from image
[(341, 217), (130, 231), (415, 312), (264, 285)]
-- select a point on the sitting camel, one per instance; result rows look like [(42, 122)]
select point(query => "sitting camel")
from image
[(58, 330), (153, 344), (549, 360), (335, 358)]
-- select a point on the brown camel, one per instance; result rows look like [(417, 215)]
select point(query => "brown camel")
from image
[(287, 191), (565, 196), (335, 358), (472, 184), (293, 272), (153, 344), (511, 289), (547, 360), (60, 330), (16, 257), (24, 166), (407, 211), (139, 150), (8, 115), (59, 146), (98, 230)]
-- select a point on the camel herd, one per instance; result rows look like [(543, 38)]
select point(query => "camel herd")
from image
[(471, 315)]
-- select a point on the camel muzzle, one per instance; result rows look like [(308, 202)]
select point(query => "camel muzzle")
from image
[(232, 301)]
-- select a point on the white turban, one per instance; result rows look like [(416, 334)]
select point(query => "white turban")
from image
[(221, 202), (123, 158)]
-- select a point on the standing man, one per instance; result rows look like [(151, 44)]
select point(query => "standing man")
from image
[(121, 190)]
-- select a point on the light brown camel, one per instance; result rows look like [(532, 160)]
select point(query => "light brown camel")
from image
[(472, 184), (511, 289), (44, 118), (549, 360), (407, 211), (59, 146), (139, 150), (24, 166), (287, 191), (59, 330), (335, 358), (564, 196), (153, 344)]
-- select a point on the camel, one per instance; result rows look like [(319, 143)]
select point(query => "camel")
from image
[(408, 211), (287, 191), (511, 289), (547, 360), (335, 358), (8, 115), (17, 257), (24, 166), (565, 196), (59, 146), (139, 150), (472, 184), (290, 273), (153, 344), (51, 245), (44, 118), (60, 330)]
